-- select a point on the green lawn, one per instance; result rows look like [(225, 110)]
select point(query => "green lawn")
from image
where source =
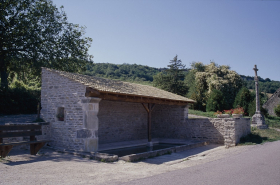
[(259, 136), (273, 122), (201, 113)]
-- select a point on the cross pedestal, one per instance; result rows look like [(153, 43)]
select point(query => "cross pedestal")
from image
[(258, 119)]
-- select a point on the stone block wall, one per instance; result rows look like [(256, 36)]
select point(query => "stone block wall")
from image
[(171, 122), (121, 121), (58, 91), (272, 102), (92, 121), (168, 121)]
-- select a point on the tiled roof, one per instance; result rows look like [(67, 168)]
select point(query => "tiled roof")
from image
[(120, 87)]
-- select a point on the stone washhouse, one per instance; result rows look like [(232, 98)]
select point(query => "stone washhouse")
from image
[(85, 112)]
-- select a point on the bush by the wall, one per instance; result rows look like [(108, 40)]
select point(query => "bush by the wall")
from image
[(216, 101), (243, 99), (252, 109)]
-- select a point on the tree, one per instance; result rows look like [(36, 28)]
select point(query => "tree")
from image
[(216, 101), (243, 99), (34, 33), (172, 79), (210, 77)]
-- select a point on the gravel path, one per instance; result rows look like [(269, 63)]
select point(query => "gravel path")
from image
[(50, 167)]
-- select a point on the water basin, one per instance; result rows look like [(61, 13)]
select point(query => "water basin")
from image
[(139, 149)]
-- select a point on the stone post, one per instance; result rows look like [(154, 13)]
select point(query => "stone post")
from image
[(186, 112), (258, 119), (90, 123)]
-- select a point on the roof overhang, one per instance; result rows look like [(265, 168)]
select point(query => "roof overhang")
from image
[(90, 92)]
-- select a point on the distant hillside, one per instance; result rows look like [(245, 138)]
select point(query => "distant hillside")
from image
[(265, 85), (144, 75), (125, 72)]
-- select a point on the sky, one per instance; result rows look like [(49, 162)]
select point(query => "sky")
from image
[(240, 34)]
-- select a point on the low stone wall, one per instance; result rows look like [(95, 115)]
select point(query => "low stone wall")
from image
[(172, 122)]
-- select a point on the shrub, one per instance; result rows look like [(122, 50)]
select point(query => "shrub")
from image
[(19, 100), (277, 110), (243, 99), (252, 109), (216, 101)]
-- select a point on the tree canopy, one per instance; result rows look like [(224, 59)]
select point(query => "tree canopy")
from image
[(205, 78), (172, 79), (34, 33)]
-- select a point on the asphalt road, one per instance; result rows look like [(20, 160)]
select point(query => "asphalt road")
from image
[(258, 166)]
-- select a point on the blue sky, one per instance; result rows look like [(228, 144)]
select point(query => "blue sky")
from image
[(151, 32)]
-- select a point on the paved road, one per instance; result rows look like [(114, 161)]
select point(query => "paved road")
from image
[(258, 166)]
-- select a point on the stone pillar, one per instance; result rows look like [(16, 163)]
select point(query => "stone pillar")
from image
[(258, 119), (186, 112), (90, 124)]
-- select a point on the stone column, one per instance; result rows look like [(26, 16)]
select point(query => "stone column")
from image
[(186, 112), (258, 119), (90, 124)]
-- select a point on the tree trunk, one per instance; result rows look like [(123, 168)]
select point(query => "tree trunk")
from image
[(4, 79), (3, 71)]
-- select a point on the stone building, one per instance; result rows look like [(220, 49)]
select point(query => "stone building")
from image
[(272, 102), (85, 112)]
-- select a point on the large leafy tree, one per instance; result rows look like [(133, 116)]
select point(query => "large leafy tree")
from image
[(34, 33), (206, 78), (172, 79)]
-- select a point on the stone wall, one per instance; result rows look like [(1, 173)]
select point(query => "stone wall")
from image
[(172, 122), (89, 121), (272, 102), (121, 121), (58, 91)]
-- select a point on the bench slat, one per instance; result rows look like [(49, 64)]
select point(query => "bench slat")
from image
[(19, 127), (20, 134), (24, 142)]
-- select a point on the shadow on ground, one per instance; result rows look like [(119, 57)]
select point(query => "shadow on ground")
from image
[(177, 157), (21, 157)]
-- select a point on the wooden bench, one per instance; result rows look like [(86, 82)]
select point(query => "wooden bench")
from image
[(8, 131)]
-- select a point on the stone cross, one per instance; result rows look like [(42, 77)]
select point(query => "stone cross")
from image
[(256, 75), (257, 90), (258, 119)]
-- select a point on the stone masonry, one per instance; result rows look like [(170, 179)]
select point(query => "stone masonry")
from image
[(227, 131), (272, 102), (121, 121), (79, 129), (89, 122)]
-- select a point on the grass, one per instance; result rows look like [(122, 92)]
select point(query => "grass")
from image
[(259, 136), (201, 113), (273, 121)]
